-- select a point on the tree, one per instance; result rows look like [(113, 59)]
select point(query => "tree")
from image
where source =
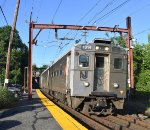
[(137, 60), (19, 55), (149, 38), (34, 67), (146, 57), (118, 40), (143, 83)]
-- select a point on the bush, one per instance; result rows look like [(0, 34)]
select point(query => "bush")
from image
[(7, 98), (143, 83)]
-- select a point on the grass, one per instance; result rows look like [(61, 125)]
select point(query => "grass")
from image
[(7, 98)]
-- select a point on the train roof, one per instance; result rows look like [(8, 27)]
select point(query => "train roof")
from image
[(100, 40), (57, 60), (79, 46)]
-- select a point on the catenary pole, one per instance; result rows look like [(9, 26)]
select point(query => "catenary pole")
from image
[(10, 44), (30, 60), (127, 39)]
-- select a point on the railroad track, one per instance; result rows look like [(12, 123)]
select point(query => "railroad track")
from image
[(94, 122)]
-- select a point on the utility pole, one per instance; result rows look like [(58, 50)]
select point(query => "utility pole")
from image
[(10, 44), (85, 35)]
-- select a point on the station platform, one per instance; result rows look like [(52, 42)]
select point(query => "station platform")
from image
[(39, 113)]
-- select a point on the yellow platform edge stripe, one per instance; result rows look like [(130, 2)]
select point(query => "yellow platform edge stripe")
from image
[(64, 119)]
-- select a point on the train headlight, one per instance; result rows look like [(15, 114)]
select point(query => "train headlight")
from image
[(97, 47), (116, 85), (86, 84), (106, 48)]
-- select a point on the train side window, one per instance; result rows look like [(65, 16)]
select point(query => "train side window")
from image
[(54, 73), (117, 63), (57, 73), (83, 61), (61, 73)]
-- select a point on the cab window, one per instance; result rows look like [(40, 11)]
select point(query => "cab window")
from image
[(117, 63), (83, 61)]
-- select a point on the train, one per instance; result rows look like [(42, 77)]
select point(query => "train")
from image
[(90, 78)]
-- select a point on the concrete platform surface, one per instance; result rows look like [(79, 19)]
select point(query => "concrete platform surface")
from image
[(39, 113), (28, 115)]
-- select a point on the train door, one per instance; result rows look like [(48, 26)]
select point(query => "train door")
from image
[(67, 70), (101, 73)]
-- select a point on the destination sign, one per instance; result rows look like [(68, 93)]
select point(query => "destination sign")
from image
[(86, 47)]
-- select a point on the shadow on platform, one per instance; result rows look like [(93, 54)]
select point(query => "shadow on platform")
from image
[(23, 105), (12, 123)]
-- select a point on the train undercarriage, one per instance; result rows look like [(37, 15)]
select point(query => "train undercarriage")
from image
[(94, 104)]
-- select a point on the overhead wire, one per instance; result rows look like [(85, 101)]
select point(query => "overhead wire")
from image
[(112, 11), (135, 11), (141, 8), (90, 10), (107, 14), (105, 7), (86, 14), (143, 31), (39, 9), (56, 10), (55, 13), (32, 7), (3, 15), (25, 12)]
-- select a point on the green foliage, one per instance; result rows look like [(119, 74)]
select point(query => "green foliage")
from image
[(7, 98), (149, 38), (34, 67), (143, 79), (146, 57), (137, 60), (118, 40), (19, 55), (143, 83)]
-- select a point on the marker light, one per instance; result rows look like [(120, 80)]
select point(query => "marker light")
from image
[(97, 47), (106, 48), (121, 92)]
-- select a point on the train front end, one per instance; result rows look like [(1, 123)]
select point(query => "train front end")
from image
[(102, 76)]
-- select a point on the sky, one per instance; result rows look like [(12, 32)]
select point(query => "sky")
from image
[(102, 13)]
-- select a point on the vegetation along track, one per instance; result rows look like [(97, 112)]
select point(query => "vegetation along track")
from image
[(94, 122)]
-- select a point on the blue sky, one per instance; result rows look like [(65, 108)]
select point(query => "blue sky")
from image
[(71, 12)]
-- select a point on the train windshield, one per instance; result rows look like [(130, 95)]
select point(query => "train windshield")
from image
[(83, 61)]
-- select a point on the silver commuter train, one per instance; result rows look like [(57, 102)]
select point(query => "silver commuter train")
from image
[(90, 78)]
